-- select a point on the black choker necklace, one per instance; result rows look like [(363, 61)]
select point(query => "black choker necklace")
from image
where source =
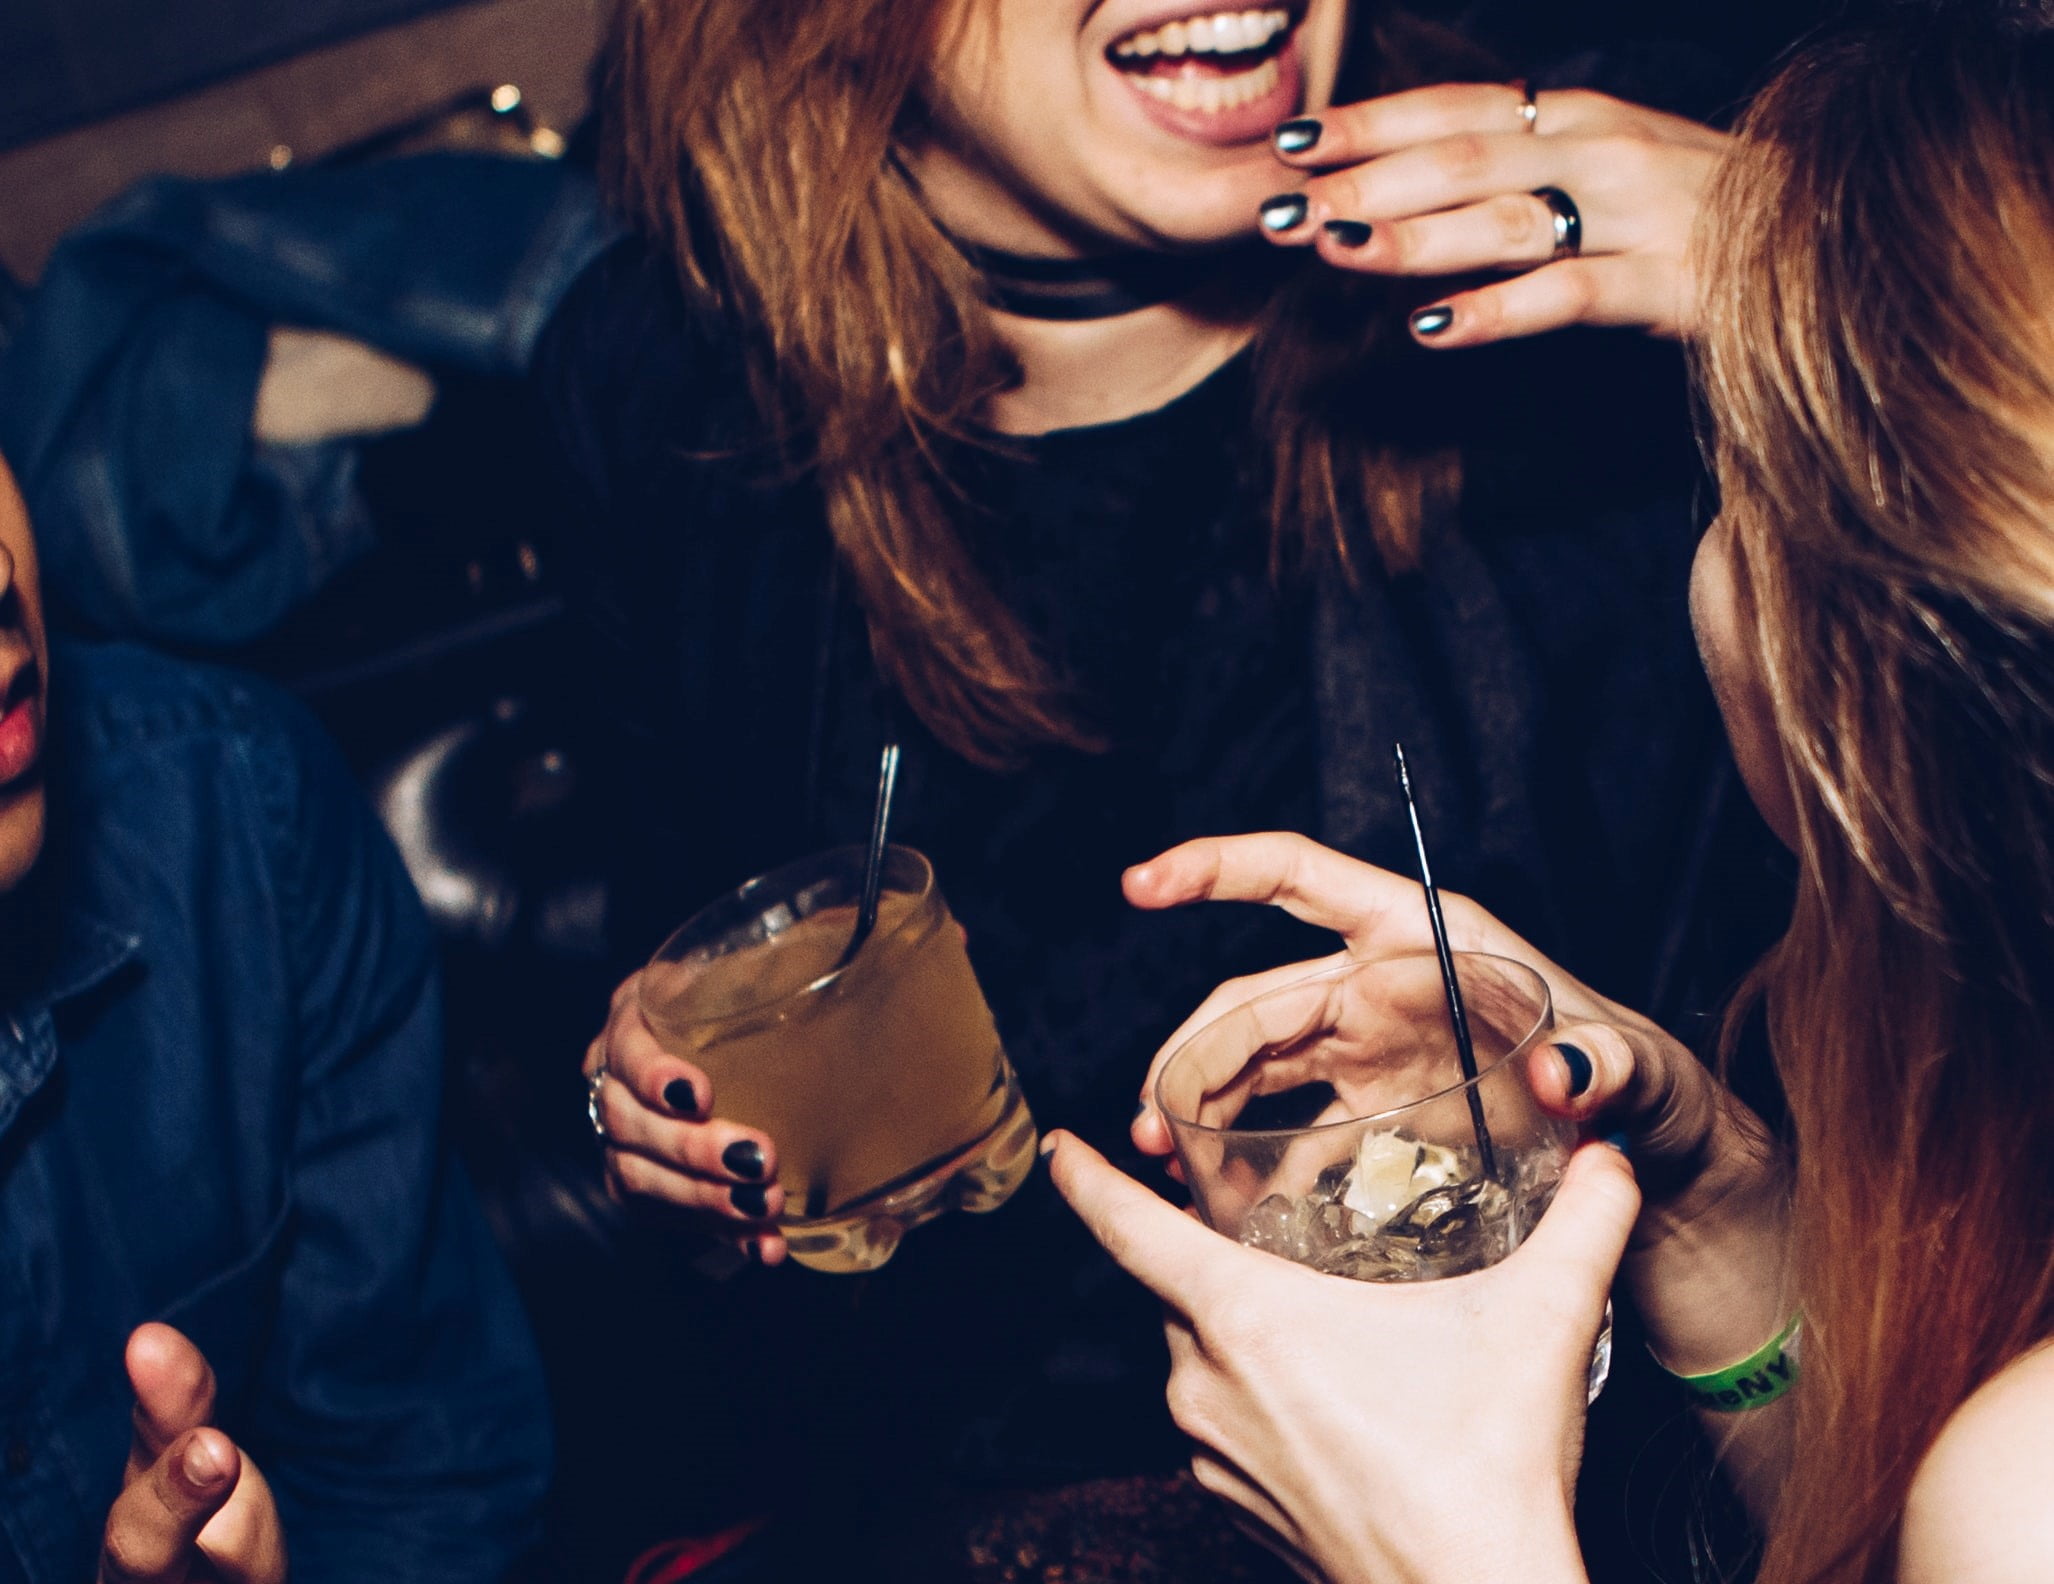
[(1086, 288)]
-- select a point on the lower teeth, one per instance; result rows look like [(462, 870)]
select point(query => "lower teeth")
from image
[(1212, 94)]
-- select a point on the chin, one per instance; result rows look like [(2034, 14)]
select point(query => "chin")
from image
[(1212, 208), (22, 825)]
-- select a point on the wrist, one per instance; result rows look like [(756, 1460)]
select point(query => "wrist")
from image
[(1710, 1278)]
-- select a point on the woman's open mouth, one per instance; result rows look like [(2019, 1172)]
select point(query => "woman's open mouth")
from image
[(1223, 77)]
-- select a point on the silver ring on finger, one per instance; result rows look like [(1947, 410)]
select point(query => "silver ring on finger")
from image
[(1529, 107), (595, 1080), (1568, 222)]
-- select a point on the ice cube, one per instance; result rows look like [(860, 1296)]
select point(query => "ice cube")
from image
[(1269, 1226), (1392, 1170)]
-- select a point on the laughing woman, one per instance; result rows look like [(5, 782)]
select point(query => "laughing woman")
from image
[(1065, 386), (1877, 613)]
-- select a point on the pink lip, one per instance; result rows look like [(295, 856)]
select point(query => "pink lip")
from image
[(21, 720), (1245, 123), (21, 740)]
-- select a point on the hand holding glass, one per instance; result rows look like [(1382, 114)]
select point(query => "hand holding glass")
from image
[(1330, 1122)]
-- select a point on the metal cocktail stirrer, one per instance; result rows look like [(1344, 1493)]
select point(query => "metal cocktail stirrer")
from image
[(866, 907), (873, 860), (1458, 1015)]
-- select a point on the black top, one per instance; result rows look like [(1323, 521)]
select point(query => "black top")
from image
[(1539, 670)]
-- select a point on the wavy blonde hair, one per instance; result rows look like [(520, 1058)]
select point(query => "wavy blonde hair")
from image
[(756, 139), (1878, 359)]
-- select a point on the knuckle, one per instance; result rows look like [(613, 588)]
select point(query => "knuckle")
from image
[(1516, 220), (1580, 292), (1402, 245), (1482, 317), (1212, 1478), (617, 1108), (1238, 1326), (1627, 160), (126, 1555), (638, 1177), (1462, 157), (1584, 106), (1187, 1404)]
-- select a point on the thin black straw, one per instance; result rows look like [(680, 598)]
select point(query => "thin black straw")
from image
[(1458, 1015), (873, 860)]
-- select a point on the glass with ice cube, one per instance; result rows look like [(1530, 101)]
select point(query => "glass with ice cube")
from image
[(1330, 1122)]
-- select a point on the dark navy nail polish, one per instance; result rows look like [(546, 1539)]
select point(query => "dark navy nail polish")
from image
[(1579, 1069), (1295, 137), (1141, 1111), (751, 1199), (1349, 233), (744, 1158), (681, 1097), (1284, 211), (1432, 321)]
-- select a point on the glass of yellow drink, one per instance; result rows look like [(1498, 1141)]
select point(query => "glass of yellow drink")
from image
[(883, 1083)]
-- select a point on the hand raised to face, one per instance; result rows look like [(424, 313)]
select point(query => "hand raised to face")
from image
[(193, 1508), (1446, 181)]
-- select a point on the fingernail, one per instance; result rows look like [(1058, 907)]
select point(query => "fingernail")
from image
[(752, 1251), (1616, 1140), (1048, 1143), (1349, 233), (1141, 1111), (202, 1468), (1284, 211), (752, 1199), (744, 1158), (1579, 1068), (1295, 137), (1432, 321), (681, 1097)]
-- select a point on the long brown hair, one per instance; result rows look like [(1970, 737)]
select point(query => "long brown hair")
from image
[(755, 139), (1878, 358)]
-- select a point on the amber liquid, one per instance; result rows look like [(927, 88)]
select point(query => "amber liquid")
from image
[(884, 1086)]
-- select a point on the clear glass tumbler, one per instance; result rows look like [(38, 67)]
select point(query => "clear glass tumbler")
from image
[(883, 1084), (1330, 1122)]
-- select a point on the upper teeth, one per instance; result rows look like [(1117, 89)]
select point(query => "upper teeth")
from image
[(1224, 33)]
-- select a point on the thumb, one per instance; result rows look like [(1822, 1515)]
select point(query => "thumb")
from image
[(1582, 1237), (1157, 1244), (153, 1529)]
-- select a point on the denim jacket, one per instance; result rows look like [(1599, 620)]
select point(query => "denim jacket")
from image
[(127, 390), (220, 1107)]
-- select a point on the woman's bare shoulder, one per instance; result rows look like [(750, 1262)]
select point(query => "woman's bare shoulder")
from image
[(1978, 1512)]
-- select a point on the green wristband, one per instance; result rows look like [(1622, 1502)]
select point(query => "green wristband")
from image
[(1755, 1382)]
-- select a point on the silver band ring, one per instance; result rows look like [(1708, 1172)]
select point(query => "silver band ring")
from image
[(1529, 107), (1568, 222), (595, 1080)]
